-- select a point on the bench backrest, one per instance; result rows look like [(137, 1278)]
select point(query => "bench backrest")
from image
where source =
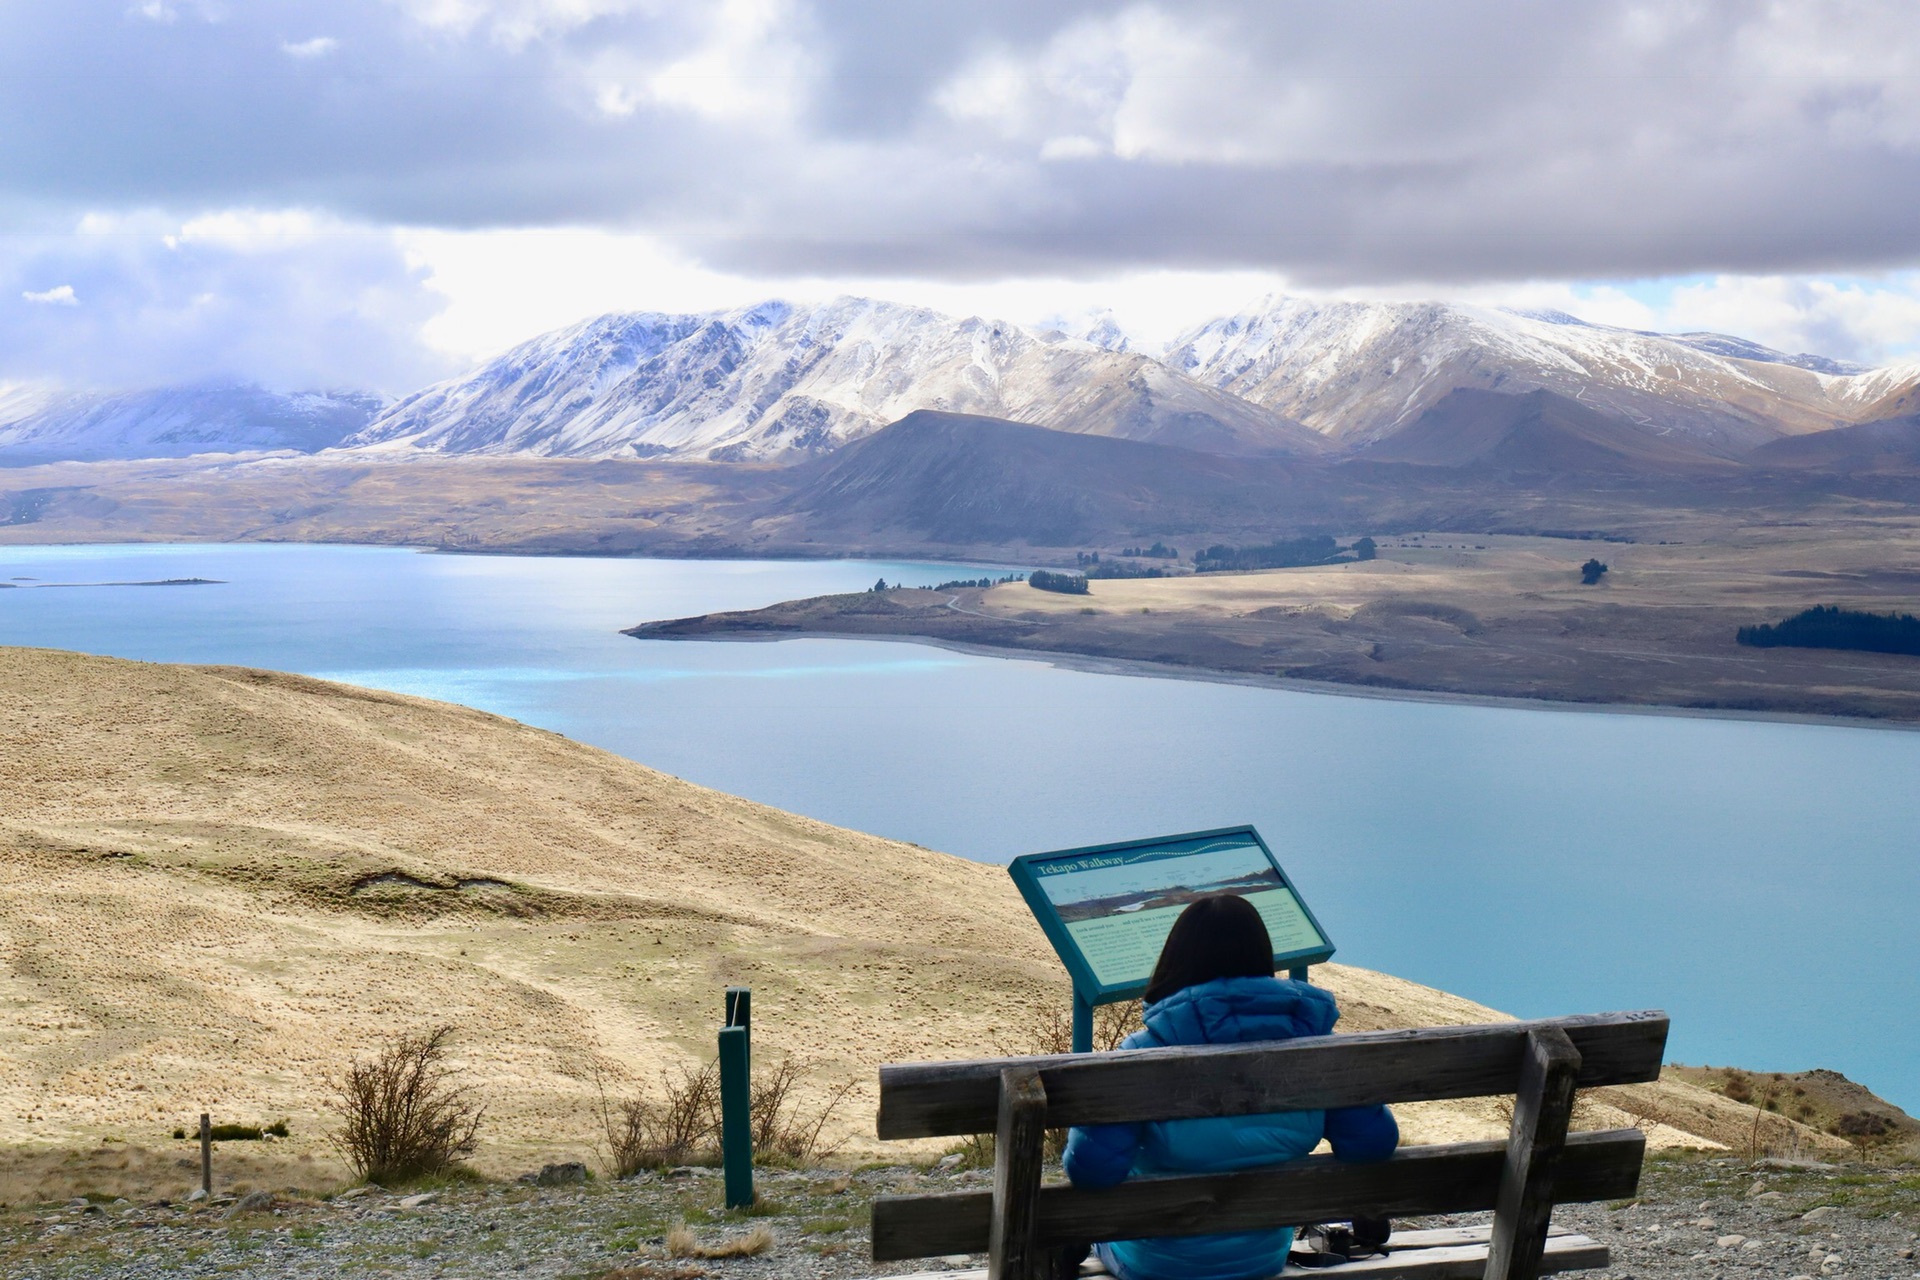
[(1541, 1063)]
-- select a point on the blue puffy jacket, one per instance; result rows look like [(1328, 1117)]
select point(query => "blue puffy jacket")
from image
[(1225, 1011)]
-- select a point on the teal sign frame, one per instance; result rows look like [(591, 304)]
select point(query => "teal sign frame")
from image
[(1241, 849)]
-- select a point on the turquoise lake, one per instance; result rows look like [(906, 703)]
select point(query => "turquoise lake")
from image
[(1758, 880)]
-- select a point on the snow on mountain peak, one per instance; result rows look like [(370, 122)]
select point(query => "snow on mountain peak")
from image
[(1361, 370), (777, 380)]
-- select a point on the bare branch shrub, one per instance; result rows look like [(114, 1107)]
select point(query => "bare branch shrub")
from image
[(779, 1128), (1051, 1032), (683, 1127), (403, 1113)]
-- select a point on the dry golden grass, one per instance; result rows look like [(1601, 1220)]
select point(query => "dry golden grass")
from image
[(683, 1243), (218, 885)]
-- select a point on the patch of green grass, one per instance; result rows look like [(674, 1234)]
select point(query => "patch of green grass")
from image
[(826, 1226)]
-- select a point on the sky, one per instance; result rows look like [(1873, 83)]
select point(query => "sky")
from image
[(377, 193)]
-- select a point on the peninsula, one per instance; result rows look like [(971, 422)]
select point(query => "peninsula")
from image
[(1450, 614)]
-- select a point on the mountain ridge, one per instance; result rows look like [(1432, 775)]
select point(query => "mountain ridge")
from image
[(46, 424), (1359, 371), (778, 382), (781, 382)]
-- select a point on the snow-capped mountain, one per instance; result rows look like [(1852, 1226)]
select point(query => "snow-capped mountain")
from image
[(1360, 371), (779, 381), (41, 423)]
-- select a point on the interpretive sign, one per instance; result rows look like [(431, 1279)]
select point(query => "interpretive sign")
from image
[(1108, 909)]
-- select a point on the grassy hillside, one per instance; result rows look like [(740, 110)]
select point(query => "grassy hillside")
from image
[(217, 884)]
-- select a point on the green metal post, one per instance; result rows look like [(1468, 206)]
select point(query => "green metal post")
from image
[(740, 1014), (1082, 1024), (736, 1129)]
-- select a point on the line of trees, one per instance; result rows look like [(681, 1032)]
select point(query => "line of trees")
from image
[(1831, 627), (1288, 553), (1120, 569), (977, 582), (1158, 551), (1067, 584)]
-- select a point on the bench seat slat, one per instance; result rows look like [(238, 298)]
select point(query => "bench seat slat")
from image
[(945, 1099), (1435, 1262), (1446, 1262), (1450, 1178)]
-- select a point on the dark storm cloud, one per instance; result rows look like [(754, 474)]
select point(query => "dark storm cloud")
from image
[(1348, 142)]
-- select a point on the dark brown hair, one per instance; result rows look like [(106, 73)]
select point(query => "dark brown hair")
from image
[(1219, 936)]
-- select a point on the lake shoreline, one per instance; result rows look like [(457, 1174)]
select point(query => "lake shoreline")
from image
[(1068, 660)]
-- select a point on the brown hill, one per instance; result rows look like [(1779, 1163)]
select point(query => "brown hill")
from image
[(218, 884), (1538, 432), (1890, 445), (962, 478)]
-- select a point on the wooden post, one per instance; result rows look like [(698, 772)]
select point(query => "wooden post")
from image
[(1013, 1251), (1541, 1108), (206, 1154)]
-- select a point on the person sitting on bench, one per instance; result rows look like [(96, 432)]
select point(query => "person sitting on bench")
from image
[(1214, 984)]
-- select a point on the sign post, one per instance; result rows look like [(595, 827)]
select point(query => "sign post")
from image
[(736, 1098), (1107, 909)]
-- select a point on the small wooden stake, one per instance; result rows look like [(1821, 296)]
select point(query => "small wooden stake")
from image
[(1541, 1109), (206, 1154), (1013, 1251)]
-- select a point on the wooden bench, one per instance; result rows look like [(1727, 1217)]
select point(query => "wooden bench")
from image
[(1020, 1221)]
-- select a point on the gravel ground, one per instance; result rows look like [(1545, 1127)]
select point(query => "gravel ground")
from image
[(1697, 1217)]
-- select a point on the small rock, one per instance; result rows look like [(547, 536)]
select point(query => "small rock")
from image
[(199, 1194), (78, 1202), (414, 1202), (252, 1202), (1754, 1244), (1903, 1253), (1771, 1196), (954, 1259), (559, 1175), (948, 1162), (1756, 1189), (354, 1193), (1705, 1224), (1730, 1242), (1816, 1215)]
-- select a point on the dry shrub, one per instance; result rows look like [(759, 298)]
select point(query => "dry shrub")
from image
[(403, 1113), (684, 1126), (682, 1243), (653, 1271), (780, 1129), (1050, 1033), (646, 1134), (1051, 1030)]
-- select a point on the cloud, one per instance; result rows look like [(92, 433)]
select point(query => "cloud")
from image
[(291, 300), (318, 47), (1372, 141)]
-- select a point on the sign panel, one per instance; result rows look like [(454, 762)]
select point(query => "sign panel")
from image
[(1108, 909)]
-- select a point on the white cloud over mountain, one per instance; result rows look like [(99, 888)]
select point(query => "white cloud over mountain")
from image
[(1761, 158)]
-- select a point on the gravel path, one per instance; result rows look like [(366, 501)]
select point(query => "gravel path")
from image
[(1697, 1218)]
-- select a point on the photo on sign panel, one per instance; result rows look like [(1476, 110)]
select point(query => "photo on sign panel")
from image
[(1118, 905)]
